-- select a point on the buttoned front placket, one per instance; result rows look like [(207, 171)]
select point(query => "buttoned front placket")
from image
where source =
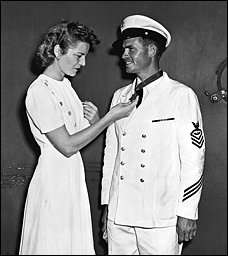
[(142, 154), (123, 162)]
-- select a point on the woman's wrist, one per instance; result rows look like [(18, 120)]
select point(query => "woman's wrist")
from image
[(108, 118)]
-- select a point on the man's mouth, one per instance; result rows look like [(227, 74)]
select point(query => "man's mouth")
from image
[(127, 63)]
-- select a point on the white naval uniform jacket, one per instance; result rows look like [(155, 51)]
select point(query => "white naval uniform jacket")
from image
[(153, 159)]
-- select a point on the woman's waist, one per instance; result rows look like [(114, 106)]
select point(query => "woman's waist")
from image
[(49, 151)]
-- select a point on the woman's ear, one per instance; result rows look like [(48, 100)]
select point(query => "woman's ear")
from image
[(57, 51)]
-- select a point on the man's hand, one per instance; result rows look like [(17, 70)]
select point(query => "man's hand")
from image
[(186, 229), (104, 219)]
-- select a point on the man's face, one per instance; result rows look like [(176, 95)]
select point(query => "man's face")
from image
[(136, 55), (71, 62)]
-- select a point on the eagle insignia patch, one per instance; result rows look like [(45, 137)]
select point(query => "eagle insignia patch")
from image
[(197, 135)]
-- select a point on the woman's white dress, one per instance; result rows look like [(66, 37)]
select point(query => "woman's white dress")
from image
[(57, 217)]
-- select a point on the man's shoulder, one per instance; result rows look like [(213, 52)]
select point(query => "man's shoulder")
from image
[(124, 88), (179, 87)]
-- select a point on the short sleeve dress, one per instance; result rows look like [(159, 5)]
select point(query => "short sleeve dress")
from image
[(57, 218)]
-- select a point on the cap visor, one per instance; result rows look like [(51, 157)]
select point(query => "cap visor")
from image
[(117, 44)]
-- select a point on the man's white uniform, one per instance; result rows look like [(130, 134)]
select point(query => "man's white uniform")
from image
[(153, 161)]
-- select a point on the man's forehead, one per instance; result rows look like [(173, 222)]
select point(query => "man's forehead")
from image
[(130, 41)]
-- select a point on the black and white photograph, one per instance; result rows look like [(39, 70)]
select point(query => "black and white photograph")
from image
[(113, 127)]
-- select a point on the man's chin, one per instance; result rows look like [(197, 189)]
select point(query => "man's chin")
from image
[(129, 70)]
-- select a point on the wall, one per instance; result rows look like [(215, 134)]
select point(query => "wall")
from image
[(199, 44)]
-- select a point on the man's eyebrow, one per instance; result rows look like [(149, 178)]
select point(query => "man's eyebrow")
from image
[(127, 45)]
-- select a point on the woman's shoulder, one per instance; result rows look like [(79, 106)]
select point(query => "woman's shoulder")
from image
[(39, 87), (37, 82)]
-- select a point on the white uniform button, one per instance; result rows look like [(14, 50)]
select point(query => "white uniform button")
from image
[(143, 150), (141, 180), (142, 165), (122, 163), (143, 135), (121, 177), (122, 149)]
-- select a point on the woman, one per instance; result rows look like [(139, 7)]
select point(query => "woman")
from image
[(57, 216)]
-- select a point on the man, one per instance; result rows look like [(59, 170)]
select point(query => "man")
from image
[(153, 161)]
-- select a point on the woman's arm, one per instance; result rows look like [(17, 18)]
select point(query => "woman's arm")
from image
[(70, 144)]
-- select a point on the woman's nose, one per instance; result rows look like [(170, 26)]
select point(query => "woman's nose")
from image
[(82, 61)]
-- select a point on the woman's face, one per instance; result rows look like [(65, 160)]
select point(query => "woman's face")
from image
[(70, 62)]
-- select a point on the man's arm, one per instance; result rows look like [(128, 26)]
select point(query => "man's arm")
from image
[(191, 143), (110, 153)]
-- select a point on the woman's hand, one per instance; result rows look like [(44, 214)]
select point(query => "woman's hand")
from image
[(122, 110), (90, 111)]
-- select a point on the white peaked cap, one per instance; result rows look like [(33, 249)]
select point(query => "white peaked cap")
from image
[(145, 24)]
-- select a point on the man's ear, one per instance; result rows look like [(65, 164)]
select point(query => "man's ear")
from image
[(57, 51), (152, 50)]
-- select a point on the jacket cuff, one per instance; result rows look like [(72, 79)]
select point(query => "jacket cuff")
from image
[(187, 213)]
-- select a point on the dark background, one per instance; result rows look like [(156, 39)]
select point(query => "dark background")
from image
[(198, 46)]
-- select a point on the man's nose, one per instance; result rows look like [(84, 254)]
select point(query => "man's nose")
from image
[(124, 53)]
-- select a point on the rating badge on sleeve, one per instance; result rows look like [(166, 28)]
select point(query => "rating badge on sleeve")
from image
[(197, 135)]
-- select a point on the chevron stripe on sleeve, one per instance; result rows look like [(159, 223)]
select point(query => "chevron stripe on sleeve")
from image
[(193, 189)]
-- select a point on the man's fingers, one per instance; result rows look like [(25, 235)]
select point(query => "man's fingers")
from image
[(191, 236), (186, 236), (194, 233), (105, 236), (180, 236), (186, 229)]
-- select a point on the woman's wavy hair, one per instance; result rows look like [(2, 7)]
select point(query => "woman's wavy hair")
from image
[(65, 34)]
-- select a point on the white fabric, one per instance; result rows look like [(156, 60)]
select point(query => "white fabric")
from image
[(126, 240), (150, 162), (57, 216), (144, 22)]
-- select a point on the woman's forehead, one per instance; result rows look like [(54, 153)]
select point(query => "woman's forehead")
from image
[(80, 46)]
